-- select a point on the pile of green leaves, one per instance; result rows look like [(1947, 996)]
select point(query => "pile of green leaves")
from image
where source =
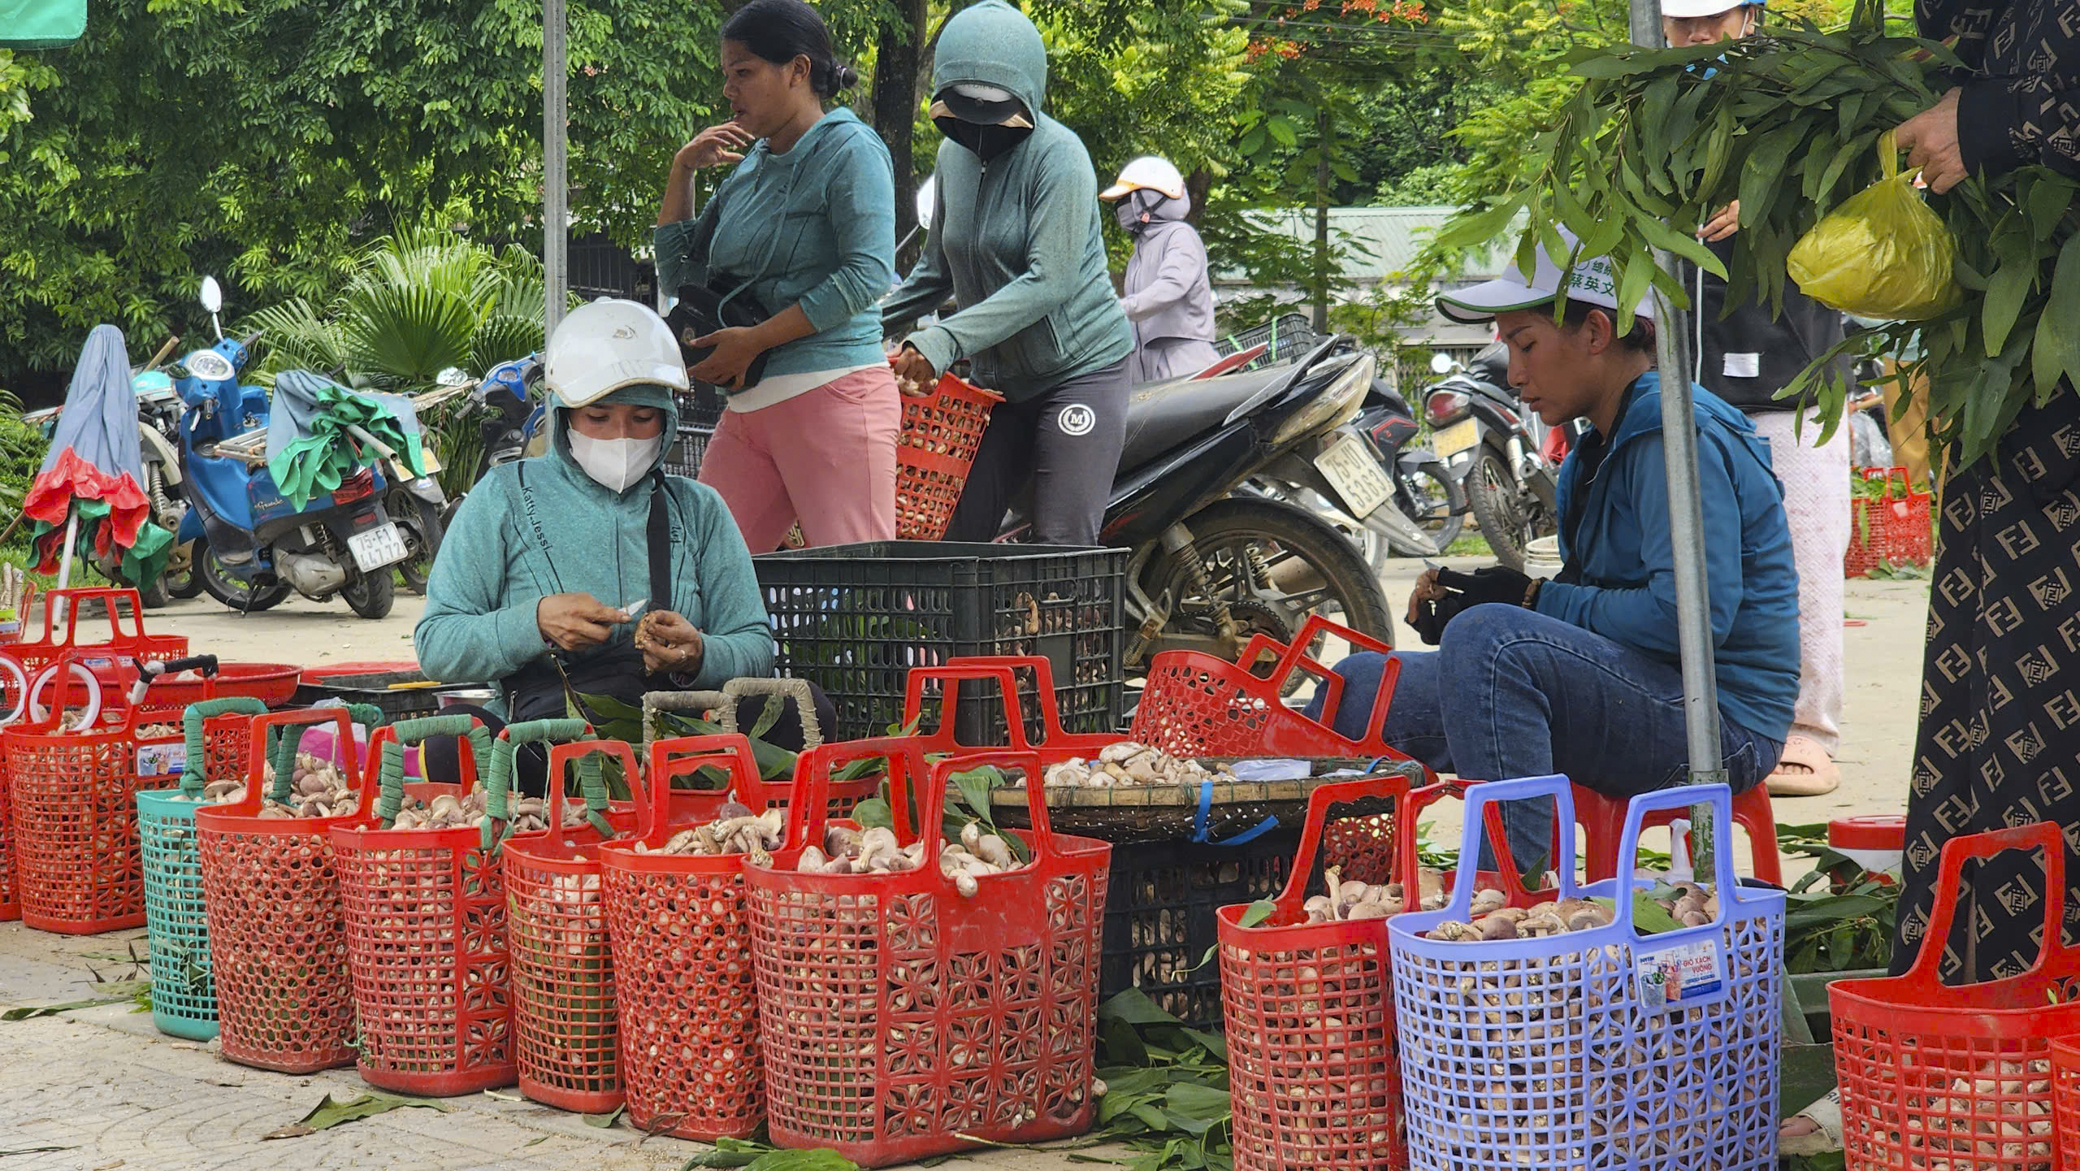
[(1840, 917), (1166, 1087), (1656, 141)]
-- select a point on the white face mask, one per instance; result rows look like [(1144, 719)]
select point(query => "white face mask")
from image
[(615, 463)]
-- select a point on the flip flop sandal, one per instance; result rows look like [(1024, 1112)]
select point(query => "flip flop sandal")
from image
[(1819, 773), (1826, 1115)]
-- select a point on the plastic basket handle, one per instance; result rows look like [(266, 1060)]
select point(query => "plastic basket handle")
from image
[(1394, 788), (110, 596), (684, 754), (676, 701), (998, 670), (1720, 798), (1926, 974), (809, 800), (510, 739), (931, 810), (385, 778), (1491, 818), (1043, 685), (273, 726), (195, 763), (1315, 624), (592, 784), (1479, 798), (795, 689)]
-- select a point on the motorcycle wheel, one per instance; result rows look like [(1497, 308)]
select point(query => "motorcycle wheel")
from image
[(221, 587), (153, 593), (372, 595), (1247, 544), (186, 583), (1433, 500), (1498, 507), (418, 563)]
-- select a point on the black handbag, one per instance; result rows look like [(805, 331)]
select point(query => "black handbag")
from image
[(703, 309)]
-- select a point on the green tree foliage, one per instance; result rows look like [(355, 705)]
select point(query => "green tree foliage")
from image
[(267, 140)]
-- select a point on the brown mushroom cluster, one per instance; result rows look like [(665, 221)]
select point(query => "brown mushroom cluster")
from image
[(1686, 902), (735, 830), (447, 811), (978, 854), (1357, 900), (316, 789), (1128, 763)]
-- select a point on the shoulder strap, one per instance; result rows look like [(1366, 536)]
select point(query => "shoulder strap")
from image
[(659, 534)]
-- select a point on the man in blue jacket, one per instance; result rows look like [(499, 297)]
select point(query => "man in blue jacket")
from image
[(1580, 674)]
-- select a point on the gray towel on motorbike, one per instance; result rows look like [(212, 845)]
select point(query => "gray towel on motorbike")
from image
[(296, 404), (99, 422)]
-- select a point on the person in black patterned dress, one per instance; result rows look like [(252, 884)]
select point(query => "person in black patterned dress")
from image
[(1999, 739)]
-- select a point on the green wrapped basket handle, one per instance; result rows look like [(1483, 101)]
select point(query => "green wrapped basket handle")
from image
[(282, 753), (591, 781), (414, 732), (195, 762)]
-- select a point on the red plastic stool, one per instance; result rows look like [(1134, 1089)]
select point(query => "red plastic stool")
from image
[(1604, 818)]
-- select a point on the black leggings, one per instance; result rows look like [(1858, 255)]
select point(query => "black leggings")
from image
[(1066, 441), (439, 760)]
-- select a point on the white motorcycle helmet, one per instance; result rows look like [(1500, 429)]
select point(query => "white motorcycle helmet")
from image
[(607, 344), (1150, 172)]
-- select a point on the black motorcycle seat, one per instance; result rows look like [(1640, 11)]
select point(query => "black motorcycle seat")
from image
[(1163, 415)]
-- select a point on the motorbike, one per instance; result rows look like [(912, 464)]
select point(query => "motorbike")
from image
[(513, 413), (1387, 493), (251, 546), (1497, 450), (1211, 568)]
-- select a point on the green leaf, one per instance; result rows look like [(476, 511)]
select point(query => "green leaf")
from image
[(874, 813), (329, 1113), (1649, 917), (775, 707), (121, 992), (2011, 284), (821, 1159), (1257, 912), (607, 1120), (2057, 350), (1282, 130), (1132, 1006)]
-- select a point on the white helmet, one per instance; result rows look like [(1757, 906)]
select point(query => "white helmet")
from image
[(1688, 9), (1156, 174), (607, 344)]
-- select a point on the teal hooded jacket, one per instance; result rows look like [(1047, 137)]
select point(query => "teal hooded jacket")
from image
[(497, 562), (1017, 240), (815, 226)]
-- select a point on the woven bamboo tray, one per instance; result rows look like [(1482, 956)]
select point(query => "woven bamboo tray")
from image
[(1124, 814)]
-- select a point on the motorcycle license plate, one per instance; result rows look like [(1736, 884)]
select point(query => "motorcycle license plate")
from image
[(1460, 436), (376, 548), (1354, 473)]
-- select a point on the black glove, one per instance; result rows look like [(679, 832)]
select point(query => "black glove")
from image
[(1461, 590)]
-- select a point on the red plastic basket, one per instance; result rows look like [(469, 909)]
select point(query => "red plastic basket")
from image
[(682, 944), (899, 1020), (278, 940), (1893, 528), (72, 810), (1314, 1076), (941, 433), (564, 1028), (1958, 1078), (426, 928), (2065, 1099), (126, 644)]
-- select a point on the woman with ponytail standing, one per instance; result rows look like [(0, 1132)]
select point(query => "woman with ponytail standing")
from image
[(802, 236)]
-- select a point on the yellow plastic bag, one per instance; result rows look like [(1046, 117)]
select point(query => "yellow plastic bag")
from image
[(1882, 253)]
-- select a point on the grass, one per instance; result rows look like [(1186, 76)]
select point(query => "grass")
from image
[(1470, 545)]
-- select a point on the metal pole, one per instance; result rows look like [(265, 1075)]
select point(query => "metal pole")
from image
[(555, 158), (1685, 520)]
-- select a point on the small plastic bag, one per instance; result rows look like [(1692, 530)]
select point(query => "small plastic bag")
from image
[(1882, 253)]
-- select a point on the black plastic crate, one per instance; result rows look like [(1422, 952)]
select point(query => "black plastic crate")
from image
[(1287, 334), (1159, 916), (700, 412), (684, 459), (855, 619)]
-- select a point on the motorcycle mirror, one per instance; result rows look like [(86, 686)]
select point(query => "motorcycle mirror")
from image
[(452, 376), (212, 300), (1440, 362), (926, 197)]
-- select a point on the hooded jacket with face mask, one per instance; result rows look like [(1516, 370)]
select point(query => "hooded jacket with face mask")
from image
[(1168, 292), (1016, 238), (498, 561)]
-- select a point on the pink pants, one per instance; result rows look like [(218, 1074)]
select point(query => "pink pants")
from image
[(826, 458)]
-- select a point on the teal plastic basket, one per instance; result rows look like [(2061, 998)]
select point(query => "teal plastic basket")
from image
[(184, 997)]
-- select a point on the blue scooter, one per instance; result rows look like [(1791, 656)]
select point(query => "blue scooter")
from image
[(252, 546)]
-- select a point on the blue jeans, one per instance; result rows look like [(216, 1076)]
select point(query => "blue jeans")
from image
[(1512, 693)]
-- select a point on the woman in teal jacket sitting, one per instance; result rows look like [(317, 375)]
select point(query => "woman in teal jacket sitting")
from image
[(547, 558), (804, 231)]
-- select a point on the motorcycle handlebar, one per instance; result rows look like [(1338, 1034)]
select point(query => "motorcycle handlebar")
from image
[(247, 341)]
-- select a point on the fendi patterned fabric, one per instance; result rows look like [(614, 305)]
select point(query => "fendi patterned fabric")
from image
[(1999, 742), (2023, 103)]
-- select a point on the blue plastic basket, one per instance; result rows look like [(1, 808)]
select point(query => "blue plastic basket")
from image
[(1594, 1049), (184, 996)]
